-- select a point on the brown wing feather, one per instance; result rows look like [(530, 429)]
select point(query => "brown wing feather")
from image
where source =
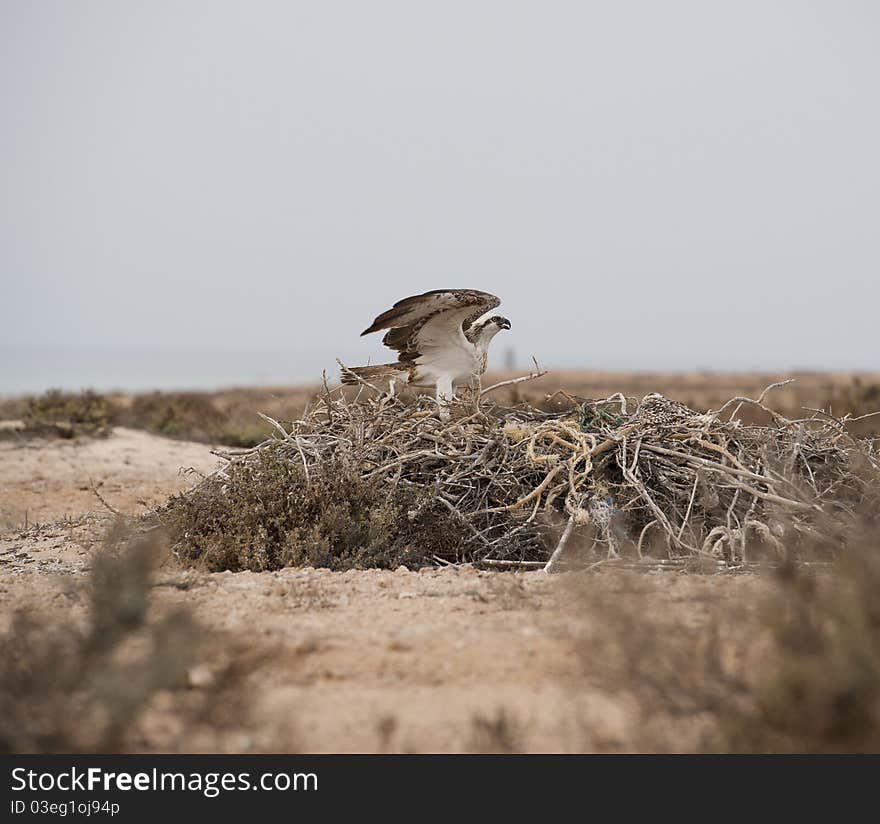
[(429, 303), (404, 339), (408, 316)]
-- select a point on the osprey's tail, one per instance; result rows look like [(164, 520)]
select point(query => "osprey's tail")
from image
[(369, 373)]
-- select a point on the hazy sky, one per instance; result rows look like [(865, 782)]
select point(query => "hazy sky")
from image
[(644, 184)]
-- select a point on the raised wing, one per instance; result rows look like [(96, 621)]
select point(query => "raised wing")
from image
[(432, 321)]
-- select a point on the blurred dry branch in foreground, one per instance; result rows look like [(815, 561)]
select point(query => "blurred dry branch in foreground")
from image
[(796, 671), (83, 685)]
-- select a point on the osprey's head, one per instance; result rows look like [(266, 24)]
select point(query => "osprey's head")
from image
[(482, 332), (493, 325)]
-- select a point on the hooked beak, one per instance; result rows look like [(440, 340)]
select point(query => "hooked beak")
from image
[(505, 324)]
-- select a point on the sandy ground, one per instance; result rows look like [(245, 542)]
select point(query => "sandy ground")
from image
[(46, 481), (437, 660)]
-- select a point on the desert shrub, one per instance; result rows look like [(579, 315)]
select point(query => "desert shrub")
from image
[(12, 408), (67, 688), (194, 416), (175, 414), (68, 414), (267, 514), (818, 689), (498, 733), (242, 433), (861, 398), (799, 671)]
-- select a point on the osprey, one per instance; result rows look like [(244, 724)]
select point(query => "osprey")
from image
[(442, 338)]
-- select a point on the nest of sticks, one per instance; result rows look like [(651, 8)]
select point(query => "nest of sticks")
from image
[(651, 478)]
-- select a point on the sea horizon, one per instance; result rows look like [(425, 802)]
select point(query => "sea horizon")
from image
[(29, 369), (35, 369)]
